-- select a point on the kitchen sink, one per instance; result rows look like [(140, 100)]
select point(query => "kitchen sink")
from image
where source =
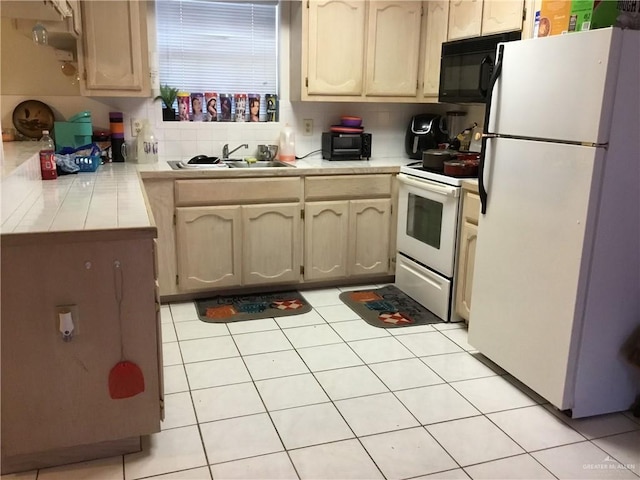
[(231, 163), (257, 164), (179, 165)]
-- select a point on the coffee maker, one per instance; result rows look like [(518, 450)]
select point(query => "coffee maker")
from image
[(424, 132)]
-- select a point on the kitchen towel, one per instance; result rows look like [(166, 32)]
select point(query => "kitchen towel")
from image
[(388, 307), (235, 308)]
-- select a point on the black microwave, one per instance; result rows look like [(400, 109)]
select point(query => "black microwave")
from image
[(346, 146), (466, 67)]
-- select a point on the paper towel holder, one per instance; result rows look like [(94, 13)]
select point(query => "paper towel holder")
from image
[(67, 321)]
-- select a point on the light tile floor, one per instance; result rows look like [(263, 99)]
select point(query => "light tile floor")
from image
[(326, 396)]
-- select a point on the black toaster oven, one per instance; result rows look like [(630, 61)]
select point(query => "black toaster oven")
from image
[(346, 146)]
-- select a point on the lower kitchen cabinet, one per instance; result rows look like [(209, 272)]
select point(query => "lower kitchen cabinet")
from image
[(238, 232), (272, 243), (467, 251), (282, 230), (209, 241), (326, 233), (347, 238), (238, 245), (369, 234), (56, 402)]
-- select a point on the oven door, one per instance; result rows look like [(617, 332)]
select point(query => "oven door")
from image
[(427, 222)]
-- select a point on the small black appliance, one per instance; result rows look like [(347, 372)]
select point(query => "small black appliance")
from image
[(346, 146), (425, 132), (466, 67)]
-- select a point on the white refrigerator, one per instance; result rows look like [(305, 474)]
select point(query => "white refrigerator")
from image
[(556, 288)]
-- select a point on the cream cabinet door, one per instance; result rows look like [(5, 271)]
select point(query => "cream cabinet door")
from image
[(467, 252), (209, 246), (113, 52), (271, 243), (326, 233), (465, 19), (335, 56), (466, 259), (393, 46), (502, 16), (369, 236), (437, 13)]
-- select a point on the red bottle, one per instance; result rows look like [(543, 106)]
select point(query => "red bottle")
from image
[(47, 157)]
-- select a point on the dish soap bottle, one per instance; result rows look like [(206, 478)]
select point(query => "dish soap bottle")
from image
[(146, 144), (287, 144)]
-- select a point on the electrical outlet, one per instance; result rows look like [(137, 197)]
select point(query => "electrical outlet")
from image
[(307, 124), (136, 126)]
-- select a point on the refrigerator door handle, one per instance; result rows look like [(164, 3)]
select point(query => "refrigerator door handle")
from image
[(484, 79), (487, 116)]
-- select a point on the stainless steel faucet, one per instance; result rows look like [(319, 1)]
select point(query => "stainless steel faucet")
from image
[(226, 152)]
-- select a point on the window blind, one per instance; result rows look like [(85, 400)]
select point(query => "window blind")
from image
[(218, 46)]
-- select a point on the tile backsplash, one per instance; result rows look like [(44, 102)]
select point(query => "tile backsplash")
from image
[(387, 122)]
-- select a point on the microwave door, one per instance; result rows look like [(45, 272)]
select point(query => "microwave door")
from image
[(464, 76)]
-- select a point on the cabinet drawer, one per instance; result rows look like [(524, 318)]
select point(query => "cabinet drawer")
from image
[(347, 186), (471, 207), (234, 191)]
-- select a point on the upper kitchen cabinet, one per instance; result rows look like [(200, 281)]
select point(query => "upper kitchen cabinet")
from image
[(436, 24), (501, 16), (43, 10), (61, 18), (355, 51), (335, 46), (465, 19), (393, 45), (472, 18), (113, 54)]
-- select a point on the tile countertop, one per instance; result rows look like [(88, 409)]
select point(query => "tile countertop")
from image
[(108, 199), (308, 166), (112, 198), (15, 154)]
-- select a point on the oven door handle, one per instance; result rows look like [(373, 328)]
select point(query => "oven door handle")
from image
[(430, 186)]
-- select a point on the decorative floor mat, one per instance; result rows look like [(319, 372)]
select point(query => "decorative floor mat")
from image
[(235, 308), (388, 307)]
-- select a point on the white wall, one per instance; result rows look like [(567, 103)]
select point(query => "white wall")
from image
[(386, 121)]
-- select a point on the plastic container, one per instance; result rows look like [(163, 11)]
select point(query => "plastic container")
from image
[(254, 107), (225, 107), (197, 107), (183, 106), (287, 144), (211, 106), (146, 145), (116, 126), (272, 107), (241, 107), (47, 157), (75, 132)]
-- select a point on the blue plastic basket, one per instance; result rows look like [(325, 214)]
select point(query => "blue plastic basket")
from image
[(91, 162), (88, 163)]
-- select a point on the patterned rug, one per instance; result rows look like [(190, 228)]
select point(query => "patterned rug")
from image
[(235, 308), (388, 307)]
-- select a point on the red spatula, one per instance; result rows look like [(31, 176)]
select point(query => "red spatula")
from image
[(125, 378)]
